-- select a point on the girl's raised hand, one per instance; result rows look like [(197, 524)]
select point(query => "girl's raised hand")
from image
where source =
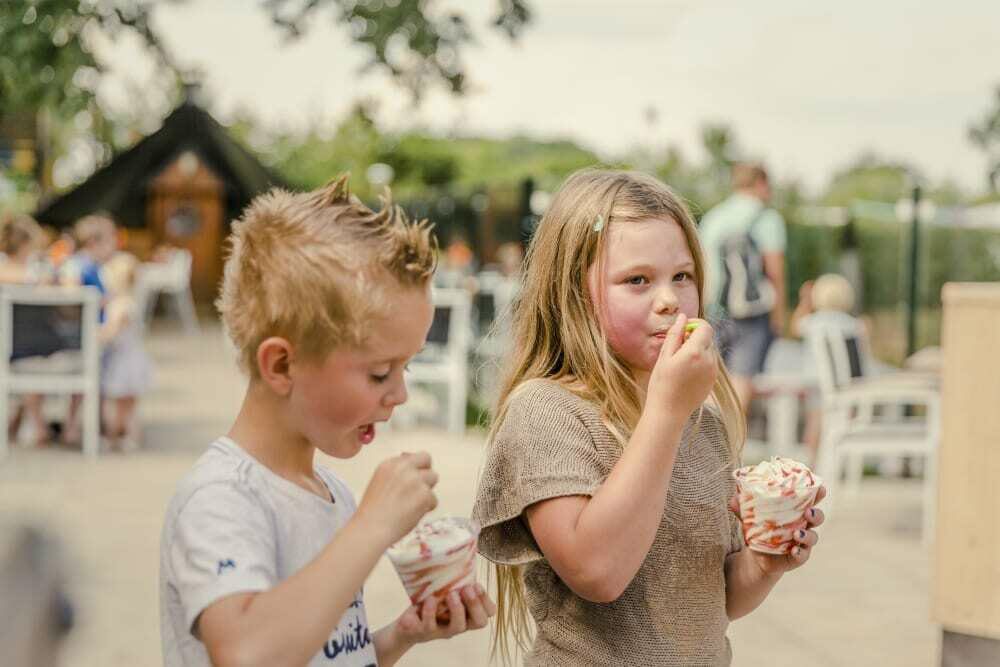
[(685, 370)]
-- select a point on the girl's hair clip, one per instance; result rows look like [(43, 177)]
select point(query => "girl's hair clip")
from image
[(599, 223)]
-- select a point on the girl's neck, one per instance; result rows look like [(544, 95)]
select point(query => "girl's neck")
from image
[(261, 428)]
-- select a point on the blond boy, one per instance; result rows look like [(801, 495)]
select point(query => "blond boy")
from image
[(264, 554)]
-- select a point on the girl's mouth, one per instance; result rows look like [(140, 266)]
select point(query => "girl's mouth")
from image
[(366, 434)]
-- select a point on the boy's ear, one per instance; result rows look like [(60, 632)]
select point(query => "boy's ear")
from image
[(274, 360)]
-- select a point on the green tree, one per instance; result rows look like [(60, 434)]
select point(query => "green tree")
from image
[(869, 178), (985, 135), (406, 38)]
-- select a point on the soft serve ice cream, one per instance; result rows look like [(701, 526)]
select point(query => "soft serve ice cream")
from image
[(436, 557), (774, 496)]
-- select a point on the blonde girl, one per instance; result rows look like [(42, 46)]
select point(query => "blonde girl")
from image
[(606, 488)]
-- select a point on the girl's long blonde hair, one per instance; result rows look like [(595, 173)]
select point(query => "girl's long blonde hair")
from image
[(555, 333)]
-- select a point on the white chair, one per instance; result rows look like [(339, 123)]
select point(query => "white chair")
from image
[(81, 376), (171, 278), (864, 415), (445, 358)]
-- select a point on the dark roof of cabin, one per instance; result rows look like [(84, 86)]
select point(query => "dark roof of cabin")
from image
[(120, 186)]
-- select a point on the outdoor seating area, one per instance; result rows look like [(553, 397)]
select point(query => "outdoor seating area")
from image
[(871, 566), (497, 333)]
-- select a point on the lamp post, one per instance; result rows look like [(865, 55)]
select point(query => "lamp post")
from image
[(911, 312)]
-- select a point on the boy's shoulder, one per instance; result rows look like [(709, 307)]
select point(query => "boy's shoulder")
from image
[(220, 467)]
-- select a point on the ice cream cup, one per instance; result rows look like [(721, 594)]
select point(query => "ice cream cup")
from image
[(436, 557), (773, 497)]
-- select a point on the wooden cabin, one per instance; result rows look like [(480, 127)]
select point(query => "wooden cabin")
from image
[(182, 185)]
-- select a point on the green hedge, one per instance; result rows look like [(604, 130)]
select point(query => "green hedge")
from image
[(946, 254)]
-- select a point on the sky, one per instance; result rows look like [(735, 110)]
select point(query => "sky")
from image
[(807, 87)]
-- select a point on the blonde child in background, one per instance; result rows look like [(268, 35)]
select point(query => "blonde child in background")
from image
[(126, 371), (264, 553), (605, 493), (21, 241), (96, 238), (824, 303)]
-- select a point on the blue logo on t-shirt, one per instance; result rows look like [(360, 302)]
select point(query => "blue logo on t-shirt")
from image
[(356, 638), (226, 564)]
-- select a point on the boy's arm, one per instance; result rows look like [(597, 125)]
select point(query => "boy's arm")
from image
[(288, 624)]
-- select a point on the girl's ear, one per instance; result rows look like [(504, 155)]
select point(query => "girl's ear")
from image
[(274, 360)]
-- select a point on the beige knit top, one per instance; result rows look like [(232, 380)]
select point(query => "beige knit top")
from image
[(552, 443)]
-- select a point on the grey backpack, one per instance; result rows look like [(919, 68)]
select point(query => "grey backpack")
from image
[(746, 289)]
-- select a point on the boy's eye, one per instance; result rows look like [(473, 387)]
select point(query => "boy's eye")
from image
[(380, 378)]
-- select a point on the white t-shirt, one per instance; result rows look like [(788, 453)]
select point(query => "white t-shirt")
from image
[(235, 526)]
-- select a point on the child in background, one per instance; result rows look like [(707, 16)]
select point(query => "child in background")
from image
[(605, 497), (21, 240), (97, 240), (264, 553), (824, 303), (127, 371)]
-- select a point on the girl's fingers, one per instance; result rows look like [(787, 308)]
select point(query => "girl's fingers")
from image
[(820, 495), (734, 505), (675, 336), (456, 624), (815, 517), (807, 538)]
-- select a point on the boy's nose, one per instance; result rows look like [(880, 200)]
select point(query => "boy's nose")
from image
[(397, 396)]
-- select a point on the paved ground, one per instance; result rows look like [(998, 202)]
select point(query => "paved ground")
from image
[(862, 600)]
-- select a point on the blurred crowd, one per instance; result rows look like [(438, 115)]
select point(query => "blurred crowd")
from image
[(89, 255)]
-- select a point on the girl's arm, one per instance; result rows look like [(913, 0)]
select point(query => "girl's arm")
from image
[(746, 584), (750, 575), (596, 545)]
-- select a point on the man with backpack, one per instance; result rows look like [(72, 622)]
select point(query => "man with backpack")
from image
[(744, 241)]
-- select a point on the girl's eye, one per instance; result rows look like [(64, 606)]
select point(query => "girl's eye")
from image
[(683, 275), (636, 280), (380, 378)]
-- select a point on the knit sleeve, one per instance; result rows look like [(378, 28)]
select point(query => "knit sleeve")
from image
[(544, 448)]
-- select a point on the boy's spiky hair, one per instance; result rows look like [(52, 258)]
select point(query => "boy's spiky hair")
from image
[(315, 268)]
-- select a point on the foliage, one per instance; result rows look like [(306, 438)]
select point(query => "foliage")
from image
[(986, 136), (404, 37)]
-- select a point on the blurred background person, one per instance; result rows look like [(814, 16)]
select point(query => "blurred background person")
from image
[(745, 243), (126, 371)]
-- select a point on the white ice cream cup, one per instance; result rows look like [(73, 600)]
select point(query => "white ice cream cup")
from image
[(774, 496), (436, 557)]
